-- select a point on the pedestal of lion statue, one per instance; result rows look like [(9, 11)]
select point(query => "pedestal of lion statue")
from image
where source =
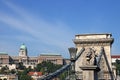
[(90, 72)]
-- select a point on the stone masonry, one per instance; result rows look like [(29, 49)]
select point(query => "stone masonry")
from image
[(95, 42)]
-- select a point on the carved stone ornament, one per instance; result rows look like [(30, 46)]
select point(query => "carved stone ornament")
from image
[(89, 57)]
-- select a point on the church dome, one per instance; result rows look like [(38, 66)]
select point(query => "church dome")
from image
[(23, 47)]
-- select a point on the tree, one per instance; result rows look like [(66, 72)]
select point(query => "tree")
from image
[(63, 75), (13, 71), (4, 70), (20, 66), (117, 64), (47, 67), (25, 77), (4, 79)]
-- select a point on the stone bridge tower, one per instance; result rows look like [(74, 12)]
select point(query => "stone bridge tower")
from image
[(94, 42)]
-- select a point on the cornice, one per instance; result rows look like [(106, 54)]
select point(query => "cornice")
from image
[(93, 41), (94, 34)]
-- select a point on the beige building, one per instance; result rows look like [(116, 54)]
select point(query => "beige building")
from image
[(24, 58), (54, 58), (32, 61), (4, 58), (66, 61), (27, 61), (8, 77)]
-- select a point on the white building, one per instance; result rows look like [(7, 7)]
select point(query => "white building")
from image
[(115, 57)]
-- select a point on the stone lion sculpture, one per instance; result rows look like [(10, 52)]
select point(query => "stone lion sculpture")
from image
[(90, 57)]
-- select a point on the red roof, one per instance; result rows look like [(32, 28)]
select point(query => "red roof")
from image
[(115, 56), (35, 73)]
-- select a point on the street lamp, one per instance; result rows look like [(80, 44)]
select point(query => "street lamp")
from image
[(73, 52)]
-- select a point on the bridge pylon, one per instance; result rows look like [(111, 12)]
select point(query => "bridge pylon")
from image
[(92, 55)]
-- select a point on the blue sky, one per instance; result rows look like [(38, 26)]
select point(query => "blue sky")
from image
[(49, 26)]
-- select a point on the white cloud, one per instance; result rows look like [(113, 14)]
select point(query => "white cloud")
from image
[(56, 34)]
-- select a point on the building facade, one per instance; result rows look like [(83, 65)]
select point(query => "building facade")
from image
[(35, 75), (24, 58), (54, 58), (115, 57), (4, 58), (8, 77), (27, 61)]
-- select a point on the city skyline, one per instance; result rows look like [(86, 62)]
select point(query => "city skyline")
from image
[(50, 26)]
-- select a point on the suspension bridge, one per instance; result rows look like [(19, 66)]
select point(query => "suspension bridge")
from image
[(90, 60)]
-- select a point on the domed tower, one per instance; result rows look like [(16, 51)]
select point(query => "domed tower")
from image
[(23, 51)]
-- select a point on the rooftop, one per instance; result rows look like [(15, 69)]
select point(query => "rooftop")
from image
[(35, 73), (49, 54), (23, 46), (3, 53), (93, 36), (115, 56)]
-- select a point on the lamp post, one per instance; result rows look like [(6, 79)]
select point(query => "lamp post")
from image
[(72, 52)]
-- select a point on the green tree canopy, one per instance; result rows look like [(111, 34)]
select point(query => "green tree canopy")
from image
[(117, 64), (47, 67), (20, 66)]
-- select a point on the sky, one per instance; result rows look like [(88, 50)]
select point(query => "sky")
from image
[(49, 26)]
